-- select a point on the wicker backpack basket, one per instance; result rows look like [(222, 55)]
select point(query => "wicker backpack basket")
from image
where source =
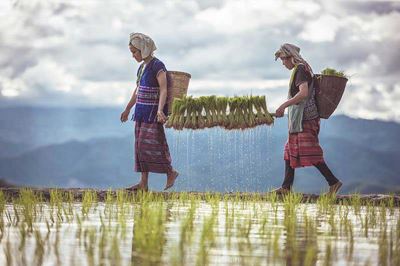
[(178, 84), (329, 93)]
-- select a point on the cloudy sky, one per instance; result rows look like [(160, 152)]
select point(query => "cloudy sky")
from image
[(74, 53)]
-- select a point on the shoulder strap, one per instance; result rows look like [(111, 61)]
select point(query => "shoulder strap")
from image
[(139, 74)]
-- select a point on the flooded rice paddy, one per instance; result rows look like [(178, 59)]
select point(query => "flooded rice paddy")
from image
[(191, 229)]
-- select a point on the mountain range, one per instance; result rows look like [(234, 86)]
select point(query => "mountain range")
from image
[(89, 147)]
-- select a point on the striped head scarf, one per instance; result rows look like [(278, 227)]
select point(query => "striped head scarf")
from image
[(142, 42), (291, 50)]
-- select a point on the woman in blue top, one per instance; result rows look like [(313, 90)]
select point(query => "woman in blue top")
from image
[(151, 147)]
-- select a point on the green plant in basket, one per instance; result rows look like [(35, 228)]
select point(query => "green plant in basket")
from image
[(332, 72)]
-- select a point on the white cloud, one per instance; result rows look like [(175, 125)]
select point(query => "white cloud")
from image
[(70, 52), (322, 29)]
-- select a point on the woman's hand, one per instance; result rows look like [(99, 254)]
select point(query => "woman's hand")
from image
[(161, 118), (280, 111), (124, 115)]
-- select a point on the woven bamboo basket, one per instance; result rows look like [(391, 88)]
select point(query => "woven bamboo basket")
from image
[(178, 84), (329, 94)]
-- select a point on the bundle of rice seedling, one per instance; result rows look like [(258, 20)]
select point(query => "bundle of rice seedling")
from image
[(259, 117), (213, 110), (172, 120), (242, 113), (224, 105), (199, 111), (219, 104), (268, 119), (250, 112), (189, 113), (182, 112), (227, 112), (205, 102)]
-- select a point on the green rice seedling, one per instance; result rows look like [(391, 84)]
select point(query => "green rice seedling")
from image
[(3, 202), (192, 119), (56, 203), (328, 254), (245, 109), (213, 110), (268, 117), (383, 214), (189, 113), (325, 202), (310, 257), (149, 233), (252, 114), (396, 252), (115, 254), (56, 247), (350, 236), (27, 200), (102, 246), (186, 232), (109, 203), (2, 208), (257, 106), (236, 113), (90, 237), (201, 122), (207, 240), (383, 247), (8, 252), (332, 72), (182, 113), (241, 113), (224, 116), (332, 222), (22, 235), (16, 217), (291, 201), (205, 106), (174, 117), (275, 244), (39, 248), (391, 204), (88, 199), (218, 105), (122, 210)]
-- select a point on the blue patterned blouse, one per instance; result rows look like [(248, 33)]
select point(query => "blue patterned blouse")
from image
[(148, 94)]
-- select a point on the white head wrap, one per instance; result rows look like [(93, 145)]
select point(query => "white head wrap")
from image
[(291, 50), (142, 42)]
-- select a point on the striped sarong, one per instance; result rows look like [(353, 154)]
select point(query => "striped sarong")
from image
[(151, 148), (303, 149)]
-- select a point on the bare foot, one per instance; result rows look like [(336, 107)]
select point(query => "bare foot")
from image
[(281, 191), (138, 187), (171, 179)]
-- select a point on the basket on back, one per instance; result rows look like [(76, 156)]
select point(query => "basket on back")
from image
[(178, 83), (330, 92)]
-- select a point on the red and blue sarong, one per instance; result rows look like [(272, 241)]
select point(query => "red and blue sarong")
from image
[(303, 149), (151, 148)]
